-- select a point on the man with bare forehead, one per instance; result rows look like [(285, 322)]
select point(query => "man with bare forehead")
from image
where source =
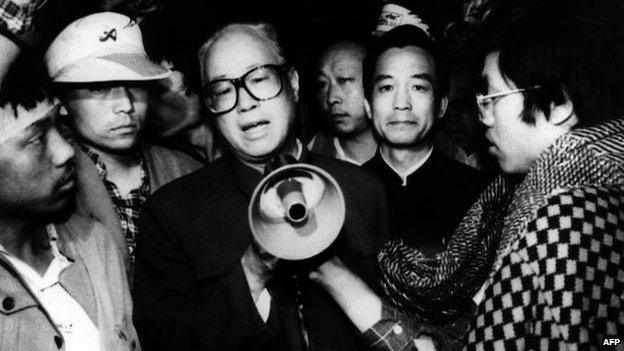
[(201, 283)]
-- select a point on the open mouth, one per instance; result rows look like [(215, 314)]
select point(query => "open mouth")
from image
[(252, 126)]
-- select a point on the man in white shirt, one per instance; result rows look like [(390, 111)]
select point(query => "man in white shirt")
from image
[(63, 279)]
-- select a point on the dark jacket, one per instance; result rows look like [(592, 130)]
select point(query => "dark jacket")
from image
[(190, 290), (163, 165), (426, 210)]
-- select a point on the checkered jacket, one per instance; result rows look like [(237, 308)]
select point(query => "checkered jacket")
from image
[(558, 282), (17, 18)]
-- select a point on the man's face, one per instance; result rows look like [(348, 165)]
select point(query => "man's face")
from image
[(108, 117), (36, 163), (340, 94), (255, 130), (403, 104), (515, 143)]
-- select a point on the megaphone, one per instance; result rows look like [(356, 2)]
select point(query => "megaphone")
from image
[(296, 211)]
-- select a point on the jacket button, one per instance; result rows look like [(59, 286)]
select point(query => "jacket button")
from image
[(8, 303), (58, 341)]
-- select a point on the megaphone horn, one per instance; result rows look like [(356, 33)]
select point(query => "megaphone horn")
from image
[(296, 211)]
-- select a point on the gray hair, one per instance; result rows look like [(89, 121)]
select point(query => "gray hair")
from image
[(261, 30)]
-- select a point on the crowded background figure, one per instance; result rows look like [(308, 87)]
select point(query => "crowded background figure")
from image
[(340, 98)]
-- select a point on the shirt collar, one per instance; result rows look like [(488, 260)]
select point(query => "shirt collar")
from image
[(246, 178), (101, 167), (409, 171), (341, 155)]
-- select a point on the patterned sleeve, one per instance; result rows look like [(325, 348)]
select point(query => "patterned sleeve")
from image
[(561, 286), (390, 333), (17, 18)]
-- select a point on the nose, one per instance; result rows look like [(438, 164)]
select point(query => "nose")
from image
[(61, 151), (334, 94), (245, 102), (402, 100), (124, 101)]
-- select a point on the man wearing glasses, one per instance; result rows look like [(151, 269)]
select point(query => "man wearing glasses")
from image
[(200, 283), (536, 263)]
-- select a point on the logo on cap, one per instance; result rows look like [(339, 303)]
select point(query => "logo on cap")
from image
[(110, 34)]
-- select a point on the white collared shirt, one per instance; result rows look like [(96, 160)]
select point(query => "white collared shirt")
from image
[(410, 170), (341, 155), (78, 330)]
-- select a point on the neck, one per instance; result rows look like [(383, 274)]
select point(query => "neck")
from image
[(402, 159), (26, 240), (289, 147), (124, 170), (118, 163), (361, 147)]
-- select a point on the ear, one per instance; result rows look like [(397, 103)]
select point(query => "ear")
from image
[(443, 106), (367, 109), (293, 77), (563, 115)]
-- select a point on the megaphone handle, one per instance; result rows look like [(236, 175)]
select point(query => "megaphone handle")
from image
[(305, 338)]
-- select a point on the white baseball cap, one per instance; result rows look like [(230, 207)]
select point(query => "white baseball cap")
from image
[(101, 47)]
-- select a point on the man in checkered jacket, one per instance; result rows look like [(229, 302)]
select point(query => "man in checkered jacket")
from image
[(554, 278)]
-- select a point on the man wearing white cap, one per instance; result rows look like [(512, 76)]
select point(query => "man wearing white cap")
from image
[(102, 75), (63, 278)]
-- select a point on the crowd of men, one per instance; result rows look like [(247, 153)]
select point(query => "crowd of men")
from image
[(124, 193)]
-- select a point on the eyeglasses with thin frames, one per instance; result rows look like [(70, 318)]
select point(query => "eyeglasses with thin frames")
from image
[(486, 102)]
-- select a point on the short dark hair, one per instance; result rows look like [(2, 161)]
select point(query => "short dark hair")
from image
[(26, 83), (573, 49), (400, 37)]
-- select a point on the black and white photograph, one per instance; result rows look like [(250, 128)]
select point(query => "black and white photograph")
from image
[(313, 175)]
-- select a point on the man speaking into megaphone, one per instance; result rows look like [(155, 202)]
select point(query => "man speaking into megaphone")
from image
[(202, 282)]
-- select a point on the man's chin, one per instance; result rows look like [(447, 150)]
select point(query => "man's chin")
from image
[(56, 212)]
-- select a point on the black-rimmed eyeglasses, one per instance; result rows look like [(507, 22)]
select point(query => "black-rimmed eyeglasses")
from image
[(261, 83)]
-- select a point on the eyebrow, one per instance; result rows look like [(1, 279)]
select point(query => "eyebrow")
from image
[(44, 121), (423, 76), (247, 69)]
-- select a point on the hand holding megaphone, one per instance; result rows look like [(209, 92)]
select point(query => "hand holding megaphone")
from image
[(258, 267)]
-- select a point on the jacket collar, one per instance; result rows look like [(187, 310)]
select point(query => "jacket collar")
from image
[(246, 178)]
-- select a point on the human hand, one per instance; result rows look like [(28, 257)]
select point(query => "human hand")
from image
[(258, 266)]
